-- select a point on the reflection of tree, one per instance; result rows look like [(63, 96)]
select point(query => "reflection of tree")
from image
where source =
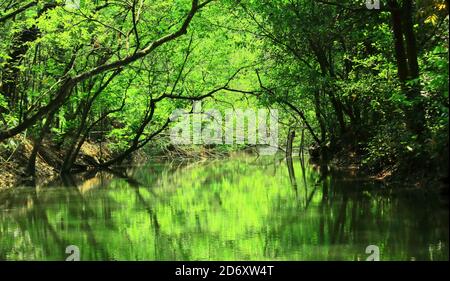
[(38, 231), (227, 210), (290, 166), (86, 212), (136, 185), (289, 161), (339, 224)]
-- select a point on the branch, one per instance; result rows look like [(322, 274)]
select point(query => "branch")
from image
[(209, 94), (18, 11), (65, 90), (294, 108), (147, 50)]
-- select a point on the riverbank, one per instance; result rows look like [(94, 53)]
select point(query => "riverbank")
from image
[(396, 173), (14, 157)]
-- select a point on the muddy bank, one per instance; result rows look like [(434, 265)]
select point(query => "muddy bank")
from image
[(414, 175), (14, 157), (15, 154)]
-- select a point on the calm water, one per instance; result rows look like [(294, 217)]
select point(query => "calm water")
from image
[(241, 208)]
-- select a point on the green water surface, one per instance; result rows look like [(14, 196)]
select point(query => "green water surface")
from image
[(241, 208)]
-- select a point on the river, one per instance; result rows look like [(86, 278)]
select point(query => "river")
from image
[(238, 208)]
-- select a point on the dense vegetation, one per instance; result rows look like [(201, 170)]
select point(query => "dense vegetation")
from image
[(356, 81)]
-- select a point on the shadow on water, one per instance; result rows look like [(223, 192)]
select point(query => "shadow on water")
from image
[(242, 208)]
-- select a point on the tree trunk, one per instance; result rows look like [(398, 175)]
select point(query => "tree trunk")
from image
[(416, 114), (400, 53), (30, 170), (318, 110), (289, 162)]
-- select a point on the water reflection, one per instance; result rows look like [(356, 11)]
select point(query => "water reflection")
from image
[(234, 209)]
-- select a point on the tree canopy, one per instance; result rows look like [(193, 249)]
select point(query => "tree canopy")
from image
[(370, 81)]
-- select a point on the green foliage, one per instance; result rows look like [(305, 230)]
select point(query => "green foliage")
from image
[(335, 65)]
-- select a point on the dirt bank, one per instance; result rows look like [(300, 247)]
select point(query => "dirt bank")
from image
[(15, 152)]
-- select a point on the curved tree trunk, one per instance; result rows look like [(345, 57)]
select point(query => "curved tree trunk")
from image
[(30, 170)]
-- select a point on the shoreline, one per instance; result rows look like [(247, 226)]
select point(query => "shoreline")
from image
[(12, 171)]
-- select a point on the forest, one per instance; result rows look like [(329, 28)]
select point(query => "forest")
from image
[(369, 82), (90, 87)]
